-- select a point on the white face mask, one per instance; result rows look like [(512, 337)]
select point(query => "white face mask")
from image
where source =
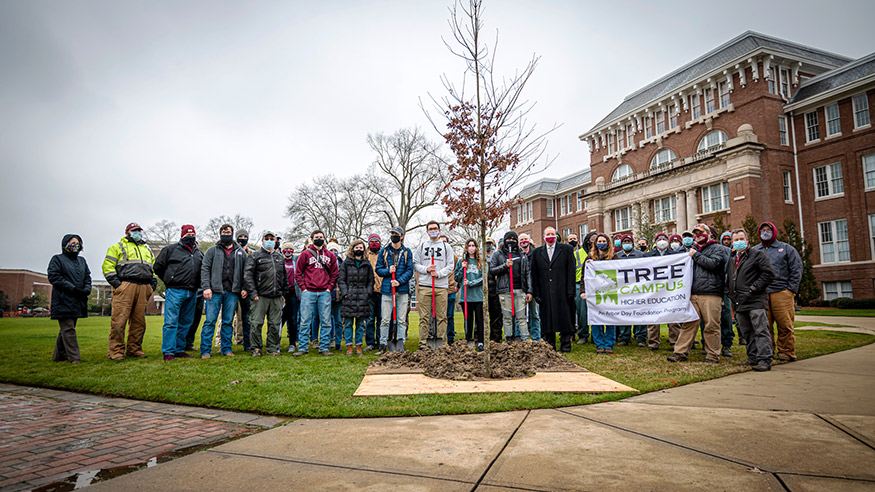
[(675, 245), (434, 234), (661, 244)]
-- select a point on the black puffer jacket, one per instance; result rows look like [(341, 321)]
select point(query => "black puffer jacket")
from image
[(522, 267), (265, 274), (179, 267), (71, 282), (747, 285), (355, 282), (709, 272)]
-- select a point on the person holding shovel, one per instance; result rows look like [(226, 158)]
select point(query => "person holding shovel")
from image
[(433, 261), (513, 279), (469, 274), (395, 267)]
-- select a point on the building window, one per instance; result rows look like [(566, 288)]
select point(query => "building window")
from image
[(696, 105), (610, 144), (584, 204), (833, 125), (567, 232), (861, 110), (709, 100), (834, 246), (622, 171), (788, 193), (834, 290), (648, 127), (621, 140), (519, 214), (785, 83), (782, 130), (773, 81), (660, 122), (672, 116), (712, 140), (662, 158), (869, 170), (715, 197), (872, 236), (584, 230), (622, 218), (828, 180), (723, 88), (665, 209), (579, 201), (549, 208), (812, 132), (630, 138), (530, 215), (562, 206)]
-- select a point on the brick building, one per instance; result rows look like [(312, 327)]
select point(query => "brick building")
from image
[(758, 126), (18, 284)]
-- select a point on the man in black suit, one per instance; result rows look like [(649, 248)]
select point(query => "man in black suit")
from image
[(553, 278)]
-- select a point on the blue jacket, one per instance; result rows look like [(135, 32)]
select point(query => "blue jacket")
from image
[(475, 282), (403, 270)]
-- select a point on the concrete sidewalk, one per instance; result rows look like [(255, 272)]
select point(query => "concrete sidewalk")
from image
[(808, 425)]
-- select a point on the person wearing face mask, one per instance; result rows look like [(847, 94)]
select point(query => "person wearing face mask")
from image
[(179, 267), (452, 291), (675, 241), (398, 259), (469, 274), (496, 323), (71, 285), (221, 278), (128, 269), (372, 325), (440, 270), (356, 283), (528, 247), (625, 332), (787, 265), (603, 336), (687, 241), (662, 247), (553, 279), (748, 276), (264, 278), (506, 258), (618, 242), (241, 324), (316, 274), (709, 274), (579, 304), (292, 298), (643, 245)]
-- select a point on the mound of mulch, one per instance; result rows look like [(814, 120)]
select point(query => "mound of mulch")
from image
[(460, 362)]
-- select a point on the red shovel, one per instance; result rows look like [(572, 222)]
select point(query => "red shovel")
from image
[(465, 287), (512, 307)]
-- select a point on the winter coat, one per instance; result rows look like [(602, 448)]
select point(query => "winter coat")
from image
[(214, 263), (129, 261), (553, 288), (746, 283), (291, 266), (709, 269), (623, 255), (655, 252), (71, 283), (475, 281), (521, 264), (356, 283), (403, 270), (265, 275), (786, 263), (179, 267), (316, 270), (372, 259)]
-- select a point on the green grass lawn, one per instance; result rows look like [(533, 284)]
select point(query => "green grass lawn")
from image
[(862, 313), (314, 386)]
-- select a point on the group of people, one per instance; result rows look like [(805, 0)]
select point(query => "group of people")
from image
[(534, 292)]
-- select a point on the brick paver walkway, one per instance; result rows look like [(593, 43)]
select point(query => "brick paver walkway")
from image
[(43, 440)]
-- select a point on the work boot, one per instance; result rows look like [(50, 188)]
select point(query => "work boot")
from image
[(326, 352), (349, 350), (299, 353), (642, 344), (622, 344), (762, 366), (676, 358), (726, 352), (358, 349)]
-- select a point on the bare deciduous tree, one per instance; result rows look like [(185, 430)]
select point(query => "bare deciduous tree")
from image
[(211, 233), (162, 233)]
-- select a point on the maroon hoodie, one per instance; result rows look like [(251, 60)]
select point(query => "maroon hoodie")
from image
[(316, 270)]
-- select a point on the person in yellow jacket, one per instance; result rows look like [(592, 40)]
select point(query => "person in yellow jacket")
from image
[(128, 269)]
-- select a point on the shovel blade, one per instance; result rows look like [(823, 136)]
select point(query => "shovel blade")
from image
[(433, 341), (396, 345)]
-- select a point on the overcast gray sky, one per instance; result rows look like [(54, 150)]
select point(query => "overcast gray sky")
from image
[(112, 112)]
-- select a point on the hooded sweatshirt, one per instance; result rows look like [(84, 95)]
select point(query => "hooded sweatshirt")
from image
[(785, 260), (443, 262), (316, 270), (71, 282)]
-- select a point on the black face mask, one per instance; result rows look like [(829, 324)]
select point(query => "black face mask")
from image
[(572, 243), (642, 248), (358, 253), (511, 245), (189, 241), (318, 242), (242, 242), (225, 239), (395, 239)]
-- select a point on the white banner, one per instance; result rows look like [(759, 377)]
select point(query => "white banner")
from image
[(640, 291)]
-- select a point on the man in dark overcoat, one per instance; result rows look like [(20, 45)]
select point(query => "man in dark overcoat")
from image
[(553, 278)]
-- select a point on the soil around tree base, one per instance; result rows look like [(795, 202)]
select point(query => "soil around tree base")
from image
[(462, 363)]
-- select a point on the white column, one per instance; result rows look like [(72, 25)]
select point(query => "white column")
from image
[(608, 222), (681, 204), (692, 208), (636, 213)]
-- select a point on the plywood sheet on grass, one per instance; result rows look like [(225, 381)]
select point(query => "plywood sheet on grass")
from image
[(553, 382)]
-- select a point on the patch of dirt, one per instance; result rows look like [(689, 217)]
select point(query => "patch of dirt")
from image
[(460, 362)]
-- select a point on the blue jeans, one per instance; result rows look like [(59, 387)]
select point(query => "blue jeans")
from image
[(535, 320), (315, 304), (604, 336), (624, 333), (582, 321), (178, 313), (451, 324), (360, 324), (227, 303)]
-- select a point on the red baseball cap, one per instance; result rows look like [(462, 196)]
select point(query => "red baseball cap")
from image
[(186, 229), (133, 226)]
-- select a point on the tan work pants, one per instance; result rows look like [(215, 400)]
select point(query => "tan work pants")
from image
[(128, 305), (708, 308), (423, 304), (782, 311)]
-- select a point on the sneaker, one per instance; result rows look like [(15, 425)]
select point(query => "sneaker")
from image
[(726, 352), (712, 361), (292, 348), (182, 355), (299, 353), (228, 354), (581, 341), (676, 358), (275, 354), (256, 352), (336, 346), (600, 351), (622, 344), (762, 366), (206, 356), (141, 355), (325, 352), (168, 358), (480, 347), (642, 344), (370, 347)]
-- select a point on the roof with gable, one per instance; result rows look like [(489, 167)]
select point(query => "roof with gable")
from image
[(852, 72), (734, 49)]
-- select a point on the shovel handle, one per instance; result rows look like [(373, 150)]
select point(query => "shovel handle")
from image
[(512, 307)]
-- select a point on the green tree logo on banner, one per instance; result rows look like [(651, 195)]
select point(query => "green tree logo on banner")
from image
[(606, 286)]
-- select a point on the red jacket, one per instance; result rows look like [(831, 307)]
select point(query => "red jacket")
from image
[(316, 271)]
